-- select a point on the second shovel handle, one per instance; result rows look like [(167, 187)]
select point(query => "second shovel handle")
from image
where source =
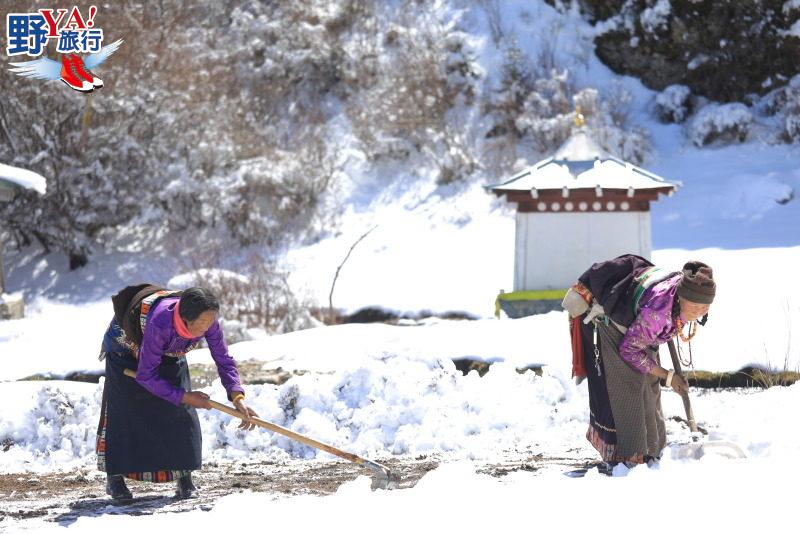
[(687, 404), (305, 440)]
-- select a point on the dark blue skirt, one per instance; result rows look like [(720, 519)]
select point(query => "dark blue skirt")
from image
[(140, 434)]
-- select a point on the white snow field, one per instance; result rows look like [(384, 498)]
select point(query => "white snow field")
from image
[(752, 321)]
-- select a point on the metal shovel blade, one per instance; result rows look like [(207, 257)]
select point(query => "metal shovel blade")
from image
[(384, 478)]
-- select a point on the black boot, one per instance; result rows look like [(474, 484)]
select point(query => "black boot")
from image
[(606, 468), (186, 489), (653, 462), (115, 486)]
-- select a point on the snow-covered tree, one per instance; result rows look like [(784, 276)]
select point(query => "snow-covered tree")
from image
[(723, 123)]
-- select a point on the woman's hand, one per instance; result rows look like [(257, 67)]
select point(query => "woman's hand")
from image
[(241, 407), (679, 384), (196, 399)]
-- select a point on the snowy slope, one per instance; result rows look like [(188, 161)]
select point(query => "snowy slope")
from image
[(435, 247), (451, 247), (753, 321)]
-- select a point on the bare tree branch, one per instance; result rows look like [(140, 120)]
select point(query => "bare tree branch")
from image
[(339, 268)]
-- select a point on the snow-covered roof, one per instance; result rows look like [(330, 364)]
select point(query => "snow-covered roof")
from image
[(581, 164), (24, 178), (579, 147)]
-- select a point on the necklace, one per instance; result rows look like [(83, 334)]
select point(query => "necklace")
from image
[(692, 329), (685, 363)]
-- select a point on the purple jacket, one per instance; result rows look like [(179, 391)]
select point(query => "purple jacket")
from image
[(160, 338), (652, 326)]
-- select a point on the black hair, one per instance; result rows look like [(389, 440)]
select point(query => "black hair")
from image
[(676, 307), (196, 300)]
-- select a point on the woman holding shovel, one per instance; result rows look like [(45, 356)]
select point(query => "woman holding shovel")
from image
[(148, 427), (621, 311)]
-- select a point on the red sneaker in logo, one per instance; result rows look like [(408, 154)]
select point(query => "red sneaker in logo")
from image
[(85, 73), (70, 76)]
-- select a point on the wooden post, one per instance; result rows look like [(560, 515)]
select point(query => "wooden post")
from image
[(2, 271), (86, 122), (4, 195)]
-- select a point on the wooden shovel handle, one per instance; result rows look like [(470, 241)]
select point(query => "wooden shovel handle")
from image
[(687, 405), (288, 433)]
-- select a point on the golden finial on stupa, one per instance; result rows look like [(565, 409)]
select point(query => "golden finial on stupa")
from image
[(579, 118)]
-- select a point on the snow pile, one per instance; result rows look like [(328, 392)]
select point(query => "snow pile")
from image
[(723, 122), (397, 406), (656, 17), (790, 6), (402, 406), (47, 426), (795, 29), (672, 104)]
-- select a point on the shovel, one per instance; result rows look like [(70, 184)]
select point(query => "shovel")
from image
[(697, 449), (384, 478)]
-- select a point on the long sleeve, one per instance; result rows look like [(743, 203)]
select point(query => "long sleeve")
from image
[(154, 345), (226, 366), (641, 335)]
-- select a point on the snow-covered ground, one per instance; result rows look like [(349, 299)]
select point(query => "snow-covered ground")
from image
[(704, 496), (379, 389), (432, 409)]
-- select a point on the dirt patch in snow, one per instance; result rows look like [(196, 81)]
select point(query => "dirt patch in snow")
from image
[(31, 500)]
